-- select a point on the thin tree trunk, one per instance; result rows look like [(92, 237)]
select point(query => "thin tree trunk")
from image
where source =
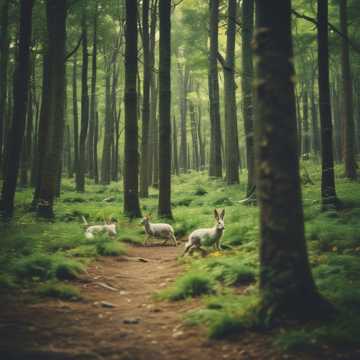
[(96, 140), (106, 155), (131, 160), (92, 118), (283, 253), (21, 87), (164, 208), (328, 192), (80, 179), (314, 122), (232, 156), (215, 166), (144, 179), (75, 117), (246, 84), (175, 149), (348, 110), (305, 132)]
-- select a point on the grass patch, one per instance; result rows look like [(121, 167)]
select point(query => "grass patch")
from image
[(189, 285), (59, 291)]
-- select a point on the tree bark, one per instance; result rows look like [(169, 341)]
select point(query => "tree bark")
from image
[(21, 88), (328, 192), (232, 155), (75, 117), (4, 59), (287, 288), (164, 208), (215, 166), (52, 162), (348, 110), (92, 118), (176, 169), (131, 160), (80, 178), (144, 179), (246, 84), (106, 154)]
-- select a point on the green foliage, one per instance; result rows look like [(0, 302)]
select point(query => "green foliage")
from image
[(59, 290), (189, 285), (110, 248)]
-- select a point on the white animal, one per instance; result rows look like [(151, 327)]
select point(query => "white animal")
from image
[(209, 236), (91, 231), (163, 231)]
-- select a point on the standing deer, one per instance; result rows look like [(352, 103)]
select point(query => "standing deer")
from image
[(208, 236), (163, 231)]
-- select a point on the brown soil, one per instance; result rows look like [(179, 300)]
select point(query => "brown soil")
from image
[(136, 327)]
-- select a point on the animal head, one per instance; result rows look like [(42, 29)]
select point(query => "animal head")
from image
[(145, 220), (111, 229), (219, 217)]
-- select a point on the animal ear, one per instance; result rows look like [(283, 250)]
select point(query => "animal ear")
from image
[(222, 214), (216, 214)]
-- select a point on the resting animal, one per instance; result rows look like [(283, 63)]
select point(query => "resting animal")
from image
[(208, 236), (92, 230), (163, 231)]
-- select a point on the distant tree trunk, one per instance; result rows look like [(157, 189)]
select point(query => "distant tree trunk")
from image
[(21, 87), (246, 84), (68, 152), (305, 132), (80, 178), (27, 145), (183, 75), (337, 124), (194, 136), (348, 111), (164, 209), (215, 166), (96, 140), (232, 155), (287, 288), (106, 155), (92, 118), (176, 170), (131, 160), (75, 117), (155, 135), (144, 179), (328, 192), (4, 58), (114, 124), (153, 152), (51, 166), (314, 122)]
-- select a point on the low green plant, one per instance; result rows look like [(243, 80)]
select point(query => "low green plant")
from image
[(59, 290)]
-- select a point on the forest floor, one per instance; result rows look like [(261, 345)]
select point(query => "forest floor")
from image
[(119, 318), (63, 296)]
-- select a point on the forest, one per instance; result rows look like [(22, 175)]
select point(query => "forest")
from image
[(179, 179)]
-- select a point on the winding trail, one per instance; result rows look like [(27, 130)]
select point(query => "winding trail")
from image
[(119, 318)]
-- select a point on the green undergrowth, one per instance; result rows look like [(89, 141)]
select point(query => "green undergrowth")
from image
[(48, 255)]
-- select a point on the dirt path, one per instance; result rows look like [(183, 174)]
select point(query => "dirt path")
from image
[(133, 327)]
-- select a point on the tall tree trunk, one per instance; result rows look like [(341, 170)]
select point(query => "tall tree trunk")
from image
[(96, 140), (215, 166), (183, 75), (246, 85), (347, 95), (4, 58), (75, 117), (175, 149), (27, 145), (314, 122), (305, 132), (52, 164), (155, 134), (106, 155), (21, 87), (286, 285), (337, 136), (194, 135), (80, 178), (92, 118), (328, 192), (144, 179), (164, 208), (131, 160), (232, 156)]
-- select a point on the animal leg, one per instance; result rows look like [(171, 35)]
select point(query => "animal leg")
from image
[(187, 248), (146, 240), (164, 242), (174, 239)]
